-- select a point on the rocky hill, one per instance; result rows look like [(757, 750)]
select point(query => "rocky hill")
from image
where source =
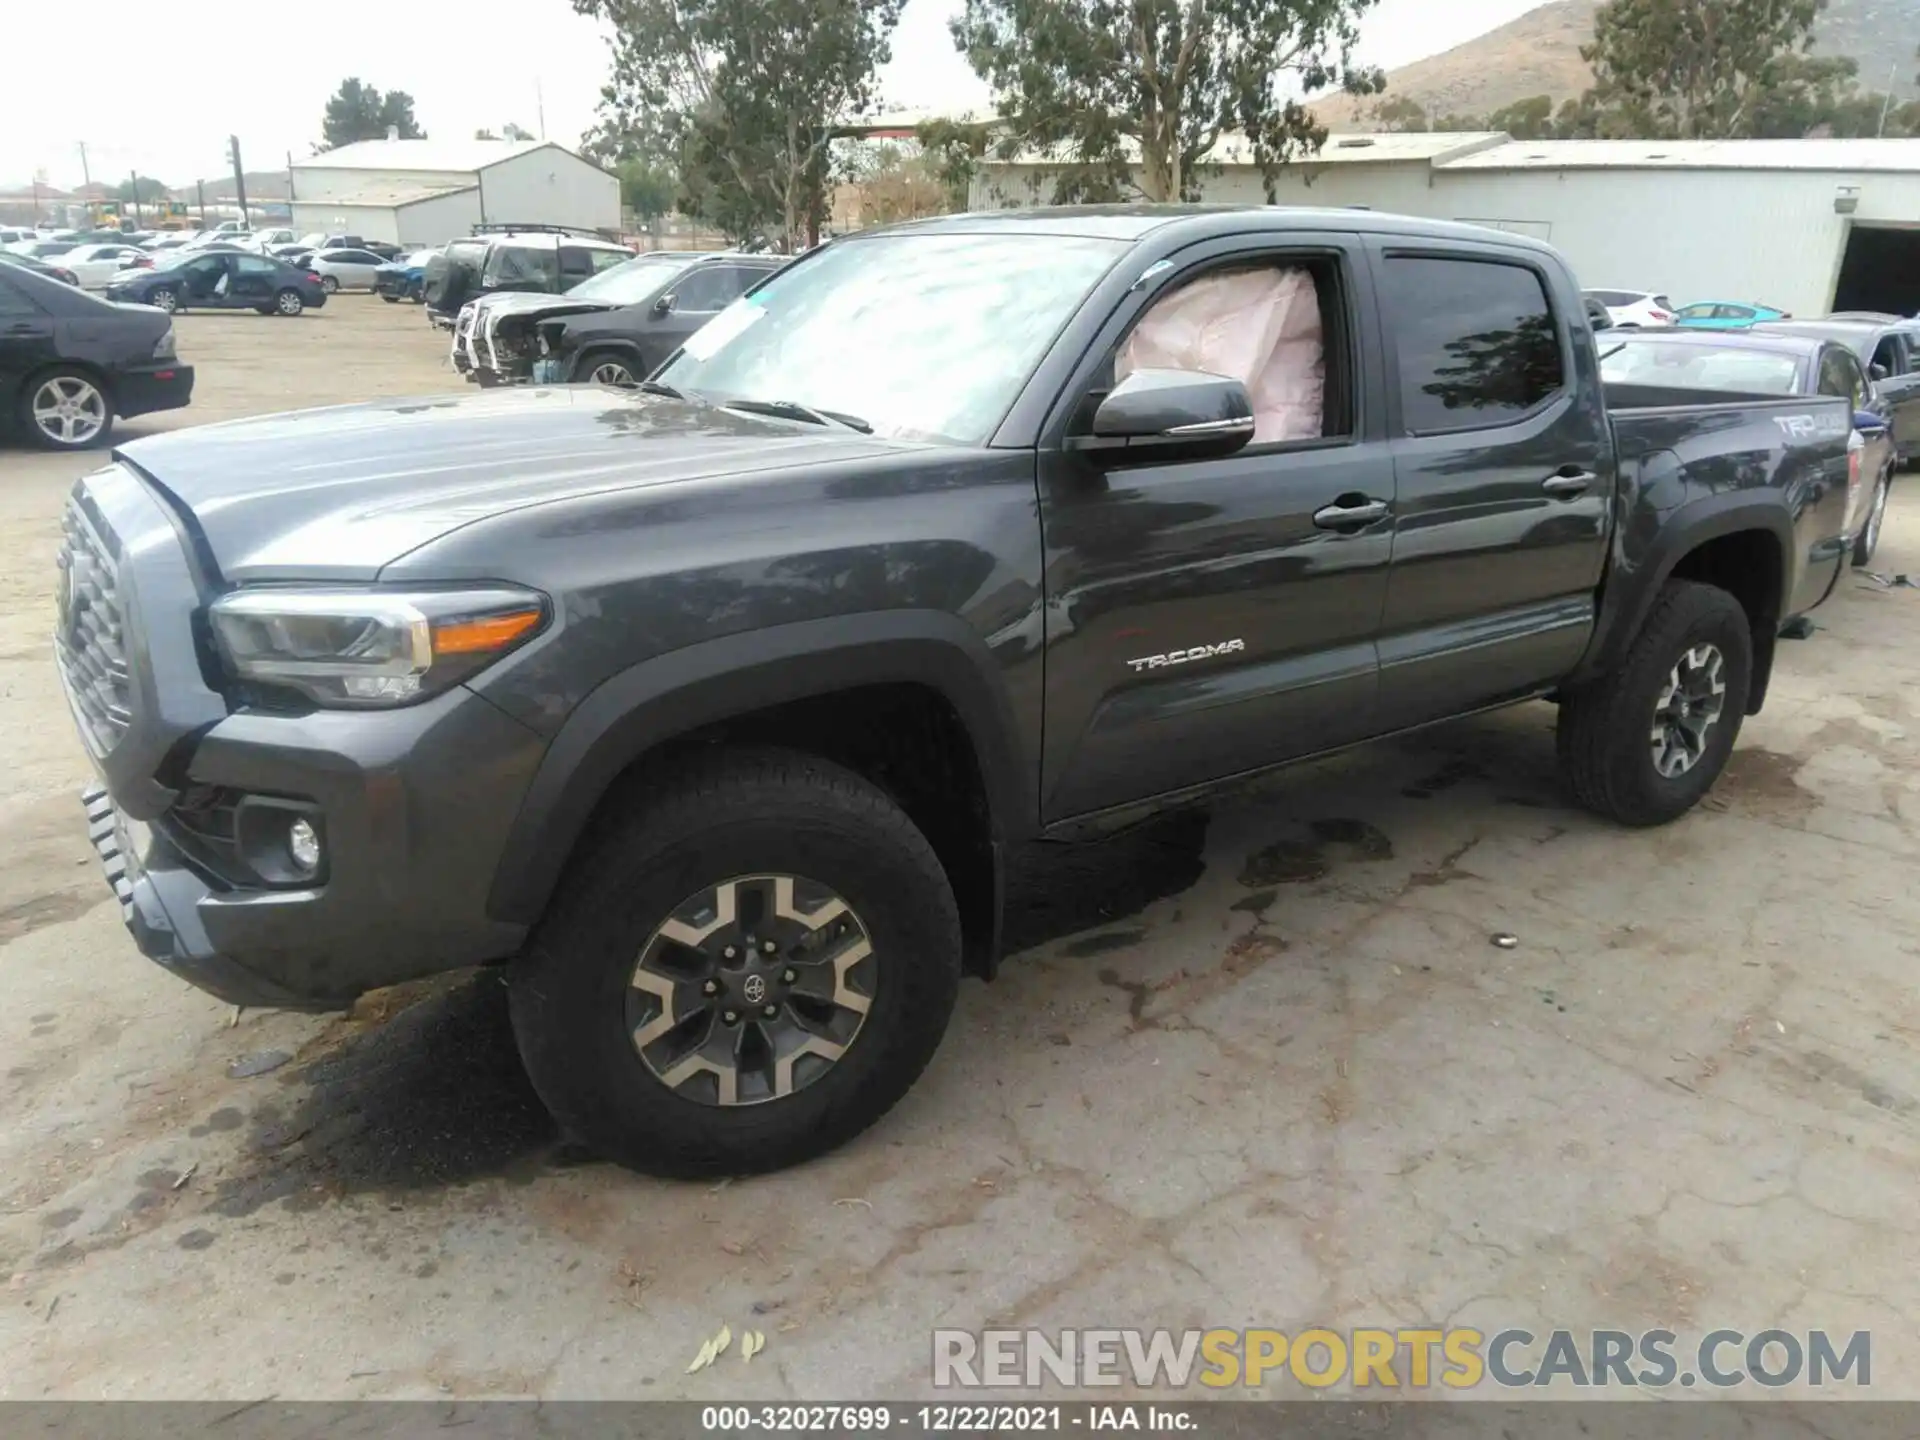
[(1539, 54)]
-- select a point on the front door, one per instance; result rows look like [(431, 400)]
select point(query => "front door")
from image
[(205, 281), (1503, 464), (1900, 388), (1212, 617)]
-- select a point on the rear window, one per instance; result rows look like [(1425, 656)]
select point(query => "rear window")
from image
[(1699, 367), (520, 265), (1475, 340)]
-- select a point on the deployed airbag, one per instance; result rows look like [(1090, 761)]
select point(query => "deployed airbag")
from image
[(1259, 325)]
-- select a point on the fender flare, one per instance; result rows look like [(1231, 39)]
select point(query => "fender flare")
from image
[(642, 707), (1630, 598)]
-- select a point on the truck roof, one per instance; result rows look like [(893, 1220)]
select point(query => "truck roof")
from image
[(1136, 222)]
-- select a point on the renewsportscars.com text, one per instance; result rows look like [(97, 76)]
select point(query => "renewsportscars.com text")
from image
[(1371, 1359)]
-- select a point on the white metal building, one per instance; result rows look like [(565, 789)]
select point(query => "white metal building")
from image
[(1805, 225), (421, 192)]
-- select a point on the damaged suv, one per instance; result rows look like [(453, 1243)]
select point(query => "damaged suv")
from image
[(614, 329)]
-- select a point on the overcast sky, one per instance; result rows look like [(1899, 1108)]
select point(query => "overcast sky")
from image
[(167, 113)]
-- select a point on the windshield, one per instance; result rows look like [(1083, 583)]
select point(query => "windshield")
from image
[(631, 281), (1699, 367), (921, 336)]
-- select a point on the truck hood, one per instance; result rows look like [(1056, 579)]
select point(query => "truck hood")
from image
[(338, 494)]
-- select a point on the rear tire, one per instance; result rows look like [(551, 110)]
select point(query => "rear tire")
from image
[(289, 303), (733, 823), (606, 367), (166, 298), (1611, 753), (330, 284), (1868, 539), (390, 299)]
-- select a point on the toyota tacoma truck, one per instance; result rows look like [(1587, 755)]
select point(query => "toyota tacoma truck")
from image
[(716, 710)]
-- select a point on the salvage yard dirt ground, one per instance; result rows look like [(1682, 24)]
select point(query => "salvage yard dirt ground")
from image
[(1261, 1067)]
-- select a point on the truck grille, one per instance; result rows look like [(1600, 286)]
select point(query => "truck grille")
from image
[(88, 642)]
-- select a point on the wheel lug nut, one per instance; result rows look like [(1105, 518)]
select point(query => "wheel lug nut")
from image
[(730, 952), (769, 947), (787, 977), (731, 1017), (771, 1011), (712, 987)]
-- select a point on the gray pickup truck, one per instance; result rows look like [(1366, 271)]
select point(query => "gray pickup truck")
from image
[(719, 710)]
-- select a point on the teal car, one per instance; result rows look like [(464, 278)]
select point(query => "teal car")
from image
[(1725, 315)]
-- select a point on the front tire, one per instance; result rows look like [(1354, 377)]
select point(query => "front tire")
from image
[(1868, 539), (165, 298), (605, 367), (660, 933), (289, 303), (1642, 746)]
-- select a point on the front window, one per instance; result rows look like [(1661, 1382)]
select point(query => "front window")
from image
[(1697, 312), (633, 282), (1699, 367), (925, 337)]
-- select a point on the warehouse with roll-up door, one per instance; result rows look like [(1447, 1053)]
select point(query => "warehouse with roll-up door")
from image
[(1806, 226), (423, 192)]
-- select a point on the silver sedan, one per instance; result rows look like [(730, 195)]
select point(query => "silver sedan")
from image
[(345, 269)]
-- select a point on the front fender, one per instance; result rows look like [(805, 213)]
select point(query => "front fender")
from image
[(674, 694)]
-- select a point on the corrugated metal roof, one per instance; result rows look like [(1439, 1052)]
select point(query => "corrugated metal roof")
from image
[(1884, 155), (1339, 150), (429, 154), (385, 196)]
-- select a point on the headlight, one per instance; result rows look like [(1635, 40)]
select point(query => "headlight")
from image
[(368, 649)]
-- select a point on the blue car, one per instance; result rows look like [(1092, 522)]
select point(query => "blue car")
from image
[(1725, 315), (404, 277)]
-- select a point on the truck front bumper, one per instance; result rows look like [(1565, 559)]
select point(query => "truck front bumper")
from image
[(192, 815)]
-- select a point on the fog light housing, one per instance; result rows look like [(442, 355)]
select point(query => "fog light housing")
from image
[(303, 847)]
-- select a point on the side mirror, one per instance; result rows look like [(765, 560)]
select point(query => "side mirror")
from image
[(1868, 423), (1877, 372), (664, 305), (1162, 415)]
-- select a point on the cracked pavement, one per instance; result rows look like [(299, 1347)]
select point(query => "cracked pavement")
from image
[(1257, 1067)]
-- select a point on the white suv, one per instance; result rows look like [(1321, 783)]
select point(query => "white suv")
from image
[(1634, 309)]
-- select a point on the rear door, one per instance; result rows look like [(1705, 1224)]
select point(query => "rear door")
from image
[(26, 339), (1209, 617), (255, 279), (1503, 463)]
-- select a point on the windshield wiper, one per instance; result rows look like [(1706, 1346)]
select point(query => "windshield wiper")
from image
[(657, 387), (794, 410)]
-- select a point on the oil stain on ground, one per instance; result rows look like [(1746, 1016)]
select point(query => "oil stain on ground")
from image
[(1294, 862), (1059, 890), (433, 1099)]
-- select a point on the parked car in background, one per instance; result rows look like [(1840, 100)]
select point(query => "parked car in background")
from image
[(1889, 352), (13, 235), (1765, 361), (96, 265), (621, 344), (265, 240), (43, 249), (1634, 309), (52, 269), (71, 363), (546, 261), (404, 277), (345, 268), (194, 279), (1599, 317), (1724, 315)]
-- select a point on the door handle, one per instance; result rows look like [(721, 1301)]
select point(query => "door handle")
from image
[(1577, 482), (1347, 517)]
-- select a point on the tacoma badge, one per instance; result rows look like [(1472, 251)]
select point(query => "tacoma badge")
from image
[(1182, 657)]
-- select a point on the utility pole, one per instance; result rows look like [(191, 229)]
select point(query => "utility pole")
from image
[(1887, 103), (239, 180), (200, 188), (290, 194), (540, 107), (87, 176), (134, 177)]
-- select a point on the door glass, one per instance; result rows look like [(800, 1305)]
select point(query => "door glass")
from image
[(574, 264), (14, 304), (252, 267), (701, 291), (1476, 342), (607, 259)]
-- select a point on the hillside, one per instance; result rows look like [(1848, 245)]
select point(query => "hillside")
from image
[(1539, 54)]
